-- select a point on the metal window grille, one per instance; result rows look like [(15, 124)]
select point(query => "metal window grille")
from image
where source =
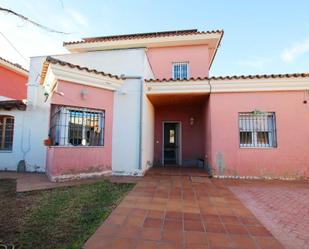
[(76, 127), (6, 132), (180, 70), (257, 129)]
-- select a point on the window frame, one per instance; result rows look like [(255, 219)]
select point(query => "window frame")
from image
[(180, 63), (64, 140), (272, 133), (4, 134)]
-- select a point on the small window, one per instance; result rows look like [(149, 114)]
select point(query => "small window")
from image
[(180, 70), (6, 132), (257, 129), (77, 127)]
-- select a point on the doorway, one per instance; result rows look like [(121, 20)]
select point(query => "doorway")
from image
[(171, 143)]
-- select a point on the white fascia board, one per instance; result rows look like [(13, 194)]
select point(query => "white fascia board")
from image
[(260, 85), (145, 42), (58, 72), (177, 87), (13, 68), (222, 86)]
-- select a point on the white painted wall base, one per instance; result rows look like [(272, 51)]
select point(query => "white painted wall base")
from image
[(69, 177)]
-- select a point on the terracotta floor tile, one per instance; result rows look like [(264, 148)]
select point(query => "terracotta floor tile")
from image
[(236, 229), (210, 218), (153, 223), (133, 220), (116, 219), (215, 228), (174, 215), (193, 237), (226, 219), (267, 242), (243, 242), (139, 212), (217, 240), (192, 216), (173, 225), (151, 234), (193, 225), (196, 246), (172, 235), (145, 244), (129, 232), (156, 214), (170, 245), (258, 231)]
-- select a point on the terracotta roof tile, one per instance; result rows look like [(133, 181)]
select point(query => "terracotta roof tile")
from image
[(234, 77), (53, 60), (14, 64), (12, 104), (142, 36)]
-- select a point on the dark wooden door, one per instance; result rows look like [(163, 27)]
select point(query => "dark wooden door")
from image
[(171, 143)]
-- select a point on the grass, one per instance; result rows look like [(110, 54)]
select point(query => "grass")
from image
[(59, 218)]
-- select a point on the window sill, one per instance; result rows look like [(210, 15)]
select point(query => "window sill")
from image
[(267, 148), (82, 146), (6, 151)]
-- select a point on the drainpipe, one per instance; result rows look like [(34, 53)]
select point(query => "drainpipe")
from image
[(140, 115)]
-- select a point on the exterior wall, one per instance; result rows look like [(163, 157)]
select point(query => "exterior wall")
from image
[(12, 84), (67, 162), (289, 159), (192, 143), (161, 60)]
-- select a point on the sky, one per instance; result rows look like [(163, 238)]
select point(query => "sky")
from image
[(260, 37)]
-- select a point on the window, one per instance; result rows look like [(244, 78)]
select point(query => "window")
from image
[(257, 129), (77, 127), (6, 132), (180, 70)]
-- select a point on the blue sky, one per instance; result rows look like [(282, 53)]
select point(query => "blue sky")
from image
[(260, 36)]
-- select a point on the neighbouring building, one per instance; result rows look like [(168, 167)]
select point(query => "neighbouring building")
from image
[(121, 104), (13, 95)]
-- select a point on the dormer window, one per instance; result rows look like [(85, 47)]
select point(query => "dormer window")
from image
[(180, 70)]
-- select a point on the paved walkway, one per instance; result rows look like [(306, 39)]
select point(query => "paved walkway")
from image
[(166, 211), (282, 209)]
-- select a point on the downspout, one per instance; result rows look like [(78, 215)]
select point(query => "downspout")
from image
[(140, 116)]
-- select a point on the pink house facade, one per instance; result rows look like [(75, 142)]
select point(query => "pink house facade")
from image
[(122, 104)]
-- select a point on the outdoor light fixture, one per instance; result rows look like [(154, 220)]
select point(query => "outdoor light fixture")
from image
[(191, 121)]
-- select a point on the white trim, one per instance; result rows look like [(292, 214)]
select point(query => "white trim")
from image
[(179, 144), (58, 72), (179, 40), (222, 86), (78, 176), (13, 67)]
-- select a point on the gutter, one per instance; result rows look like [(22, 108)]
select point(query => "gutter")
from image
[(140, 115)]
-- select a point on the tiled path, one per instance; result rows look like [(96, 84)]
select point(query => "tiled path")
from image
[(282, 209), (166, 211)]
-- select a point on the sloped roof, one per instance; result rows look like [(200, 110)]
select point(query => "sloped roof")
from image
[(235, 77), (142, 36), (53, 60), (13, 66)]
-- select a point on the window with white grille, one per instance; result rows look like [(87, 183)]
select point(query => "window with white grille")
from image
[(76, 127), (180, 70), (257, 129), (6, 132)]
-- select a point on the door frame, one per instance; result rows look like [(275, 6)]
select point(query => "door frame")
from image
[(179, 139)]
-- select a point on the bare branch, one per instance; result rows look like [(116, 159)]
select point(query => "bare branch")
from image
[(32, 22)]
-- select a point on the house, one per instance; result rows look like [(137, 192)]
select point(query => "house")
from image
[(13, 94), (122, 104)]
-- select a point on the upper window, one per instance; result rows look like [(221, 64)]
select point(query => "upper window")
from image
[(6, 132), (180, 70), (77, 127), (257, 129)]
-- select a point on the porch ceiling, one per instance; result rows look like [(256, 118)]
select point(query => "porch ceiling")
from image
[(177, 99)]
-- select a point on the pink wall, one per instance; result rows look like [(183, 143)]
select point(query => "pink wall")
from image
[(161, 60), (192, 142), (12, 84), (75, 160), (290, 158)]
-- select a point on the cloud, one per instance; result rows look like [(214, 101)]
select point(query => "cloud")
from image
[(78, 17), (296, 50)]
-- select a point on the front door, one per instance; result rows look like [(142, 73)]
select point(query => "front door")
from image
[(171, 143)]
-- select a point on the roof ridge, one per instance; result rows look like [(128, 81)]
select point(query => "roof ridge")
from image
[(142, 35)]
